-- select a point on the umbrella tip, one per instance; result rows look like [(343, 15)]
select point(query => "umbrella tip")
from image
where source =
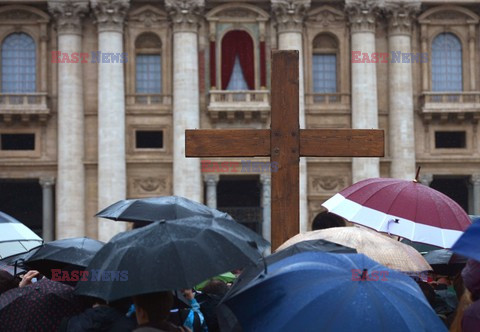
[(416, 175)]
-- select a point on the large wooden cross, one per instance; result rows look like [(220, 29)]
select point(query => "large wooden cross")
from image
[(284, 143)]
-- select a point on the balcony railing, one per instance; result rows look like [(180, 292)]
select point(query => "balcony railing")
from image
[(327, 98), (247, 104), (149, 99), (23, 105), (459, 106)]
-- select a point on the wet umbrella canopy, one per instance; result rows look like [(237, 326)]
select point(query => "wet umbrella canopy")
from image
[(152, 209), (15, 237), (316, 291), (170, 255), (74, 253), (38, 307)]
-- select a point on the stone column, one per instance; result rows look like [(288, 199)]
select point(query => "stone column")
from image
[(211, 181), (266, 206), (475, 179), (426, 179), (185, 16), (71, 172), (362, 16), (400, 88), (112, 186), (290, 16), (48, 225)]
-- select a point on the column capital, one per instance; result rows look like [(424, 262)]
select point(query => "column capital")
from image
[(68, 15), (266, 178), (426, 179), (290, 14), (362, 15), (110, 14), (211, 179), (475, 179), (47, 181), (400, 16), (185, 14)]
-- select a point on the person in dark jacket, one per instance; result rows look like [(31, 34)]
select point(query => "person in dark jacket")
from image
[(209, 299), (7, 281), (471, 280)]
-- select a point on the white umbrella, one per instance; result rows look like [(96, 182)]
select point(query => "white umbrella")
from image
[(15, 237)]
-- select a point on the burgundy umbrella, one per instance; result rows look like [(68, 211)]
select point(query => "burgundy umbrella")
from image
[(404, 208)]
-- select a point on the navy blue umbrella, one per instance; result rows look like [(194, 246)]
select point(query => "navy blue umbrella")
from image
[(468, 244), (316, 291)]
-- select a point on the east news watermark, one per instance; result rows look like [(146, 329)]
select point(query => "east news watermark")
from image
[(92, 275), (244, 166), (92, 57), (392, 57)]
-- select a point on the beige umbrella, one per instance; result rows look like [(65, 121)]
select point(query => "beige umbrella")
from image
[(380, 248)]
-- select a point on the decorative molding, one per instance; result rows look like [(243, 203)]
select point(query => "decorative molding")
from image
[(400, 17), (23, 14), (148, 16), (110, 14), (362, 15), (290, 14), (149, 185), (185, 14), (326, 16), (448, 15), (327, 183), (68, 15)]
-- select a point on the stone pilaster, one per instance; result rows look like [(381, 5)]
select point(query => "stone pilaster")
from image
[(475, 180), (112, 183), (211, 181), (266, 206), (362, 18), (290, 16), (185, 18), (48, 225), (70, 188), (400, 88)]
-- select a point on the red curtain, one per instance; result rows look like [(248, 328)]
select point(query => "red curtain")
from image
[(238, 43), (213, 78)]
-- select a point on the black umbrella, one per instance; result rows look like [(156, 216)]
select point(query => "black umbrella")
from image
[(38, 307), (169, 255), (152, 209), (70, 254), (445, 262)]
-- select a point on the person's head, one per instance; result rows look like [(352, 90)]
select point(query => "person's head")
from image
[(215, 287), (327, 220), (153, 307), (443, 281), (7, 281)]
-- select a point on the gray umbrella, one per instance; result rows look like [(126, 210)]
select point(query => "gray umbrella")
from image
[(15, 237), (147, 210)]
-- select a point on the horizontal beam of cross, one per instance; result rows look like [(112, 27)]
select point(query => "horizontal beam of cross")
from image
[(256, 143)]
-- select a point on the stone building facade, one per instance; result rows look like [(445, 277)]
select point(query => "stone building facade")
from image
[(80, 129)]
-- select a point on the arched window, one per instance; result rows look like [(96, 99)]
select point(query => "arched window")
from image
[(238, 71), (324, 64), (18, 64), (148, 60), (446, 63)]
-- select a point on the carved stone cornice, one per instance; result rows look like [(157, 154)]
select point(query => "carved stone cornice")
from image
[(400, 17), (110, 14), (362, 15), (290, 14), (68, 15), (185, 14)]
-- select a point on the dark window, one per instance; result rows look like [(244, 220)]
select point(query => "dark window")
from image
[(450, 139), (149, 139), (17, 141)]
